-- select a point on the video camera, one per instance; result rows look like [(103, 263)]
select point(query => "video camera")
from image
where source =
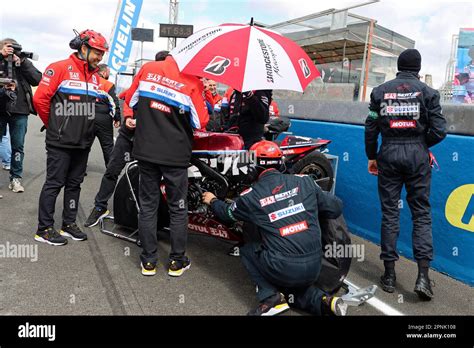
[(18, 50)]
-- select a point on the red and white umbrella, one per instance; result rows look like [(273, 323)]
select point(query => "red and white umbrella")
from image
[(246, 58)]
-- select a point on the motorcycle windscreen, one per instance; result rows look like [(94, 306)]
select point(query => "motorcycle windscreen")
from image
[(336, 262)]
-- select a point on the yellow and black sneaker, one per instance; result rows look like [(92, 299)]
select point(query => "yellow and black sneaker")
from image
[(72, 231), (148, 269), (334, 306), (273, 305), (177, 268), (50, 236)]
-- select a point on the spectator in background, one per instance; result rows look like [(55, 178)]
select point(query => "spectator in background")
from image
[(6, 150), (212, 86), (107, 113), (26, 75), (273, 110)]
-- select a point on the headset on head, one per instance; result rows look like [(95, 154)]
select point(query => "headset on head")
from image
[(77, 42)]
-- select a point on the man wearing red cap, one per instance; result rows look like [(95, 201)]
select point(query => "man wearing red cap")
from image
[(65, 101)]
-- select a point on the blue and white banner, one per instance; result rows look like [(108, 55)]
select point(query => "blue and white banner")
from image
[(121, 44)]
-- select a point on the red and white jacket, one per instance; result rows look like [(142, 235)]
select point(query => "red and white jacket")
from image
[(65, 102), (168, 105)]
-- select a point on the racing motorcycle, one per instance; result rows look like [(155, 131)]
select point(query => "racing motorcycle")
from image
[(219, 164)]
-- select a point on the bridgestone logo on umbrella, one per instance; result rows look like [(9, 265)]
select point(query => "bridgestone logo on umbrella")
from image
[(295, 228), (266, 59), (304, 67), (217, 66)]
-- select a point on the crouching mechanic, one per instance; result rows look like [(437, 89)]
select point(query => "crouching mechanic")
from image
[(287, 258)]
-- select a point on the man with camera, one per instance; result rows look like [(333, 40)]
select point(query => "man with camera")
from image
[(65, 100), (17, 103)]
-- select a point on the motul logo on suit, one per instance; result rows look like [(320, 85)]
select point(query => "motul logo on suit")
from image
[(402, 124), (295, 228), (159, 106)]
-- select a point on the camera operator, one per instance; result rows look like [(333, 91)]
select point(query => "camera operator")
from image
[(15, 62)]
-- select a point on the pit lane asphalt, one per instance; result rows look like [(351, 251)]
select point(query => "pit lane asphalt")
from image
[(101, 276)]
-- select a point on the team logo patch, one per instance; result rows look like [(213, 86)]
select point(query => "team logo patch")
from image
[(74, 75), (267, 201), (401, 124), (390, 96), (69, 67), (94, 79), (403, 109), (304, 67), (217, 66), (285, 212), (49, 72), (277, 189), (279, 197), (159, 106), (246, 191), (295, 228)]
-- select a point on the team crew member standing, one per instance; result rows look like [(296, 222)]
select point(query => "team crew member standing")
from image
[(121, 154), (169, 105), (249, 111), (103, 121), (408, 115), (65, 101)]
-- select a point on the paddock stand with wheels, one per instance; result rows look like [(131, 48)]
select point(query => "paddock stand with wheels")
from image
[(132, 235)]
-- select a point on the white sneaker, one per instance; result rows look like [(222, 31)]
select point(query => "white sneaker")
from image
[(6, 166), (15, 185)]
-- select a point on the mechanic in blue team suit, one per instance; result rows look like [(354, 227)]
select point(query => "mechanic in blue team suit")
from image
[(407, 113), (285, 256)]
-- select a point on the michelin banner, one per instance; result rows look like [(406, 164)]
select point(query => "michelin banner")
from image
[(121, 44)]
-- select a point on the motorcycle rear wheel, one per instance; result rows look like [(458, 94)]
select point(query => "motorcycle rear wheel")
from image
[(318, 165)]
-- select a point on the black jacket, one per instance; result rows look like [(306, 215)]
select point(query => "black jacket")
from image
[(250, 115), (285, 208), (404, 108), (26, 76)]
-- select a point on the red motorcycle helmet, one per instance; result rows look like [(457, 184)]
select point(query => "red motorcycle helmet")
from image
[(90, 38), (268, 154)]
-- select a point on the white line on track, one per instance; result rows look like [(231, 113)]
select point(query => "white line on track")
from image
[(378, 304)]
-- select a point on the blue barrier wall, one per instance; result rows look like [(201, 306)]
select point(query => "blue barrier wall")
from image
[(452, 195)]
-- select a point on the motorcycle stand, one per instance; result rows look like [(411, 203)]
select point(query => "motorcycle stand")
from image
[(356, 297), (130, 237)]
